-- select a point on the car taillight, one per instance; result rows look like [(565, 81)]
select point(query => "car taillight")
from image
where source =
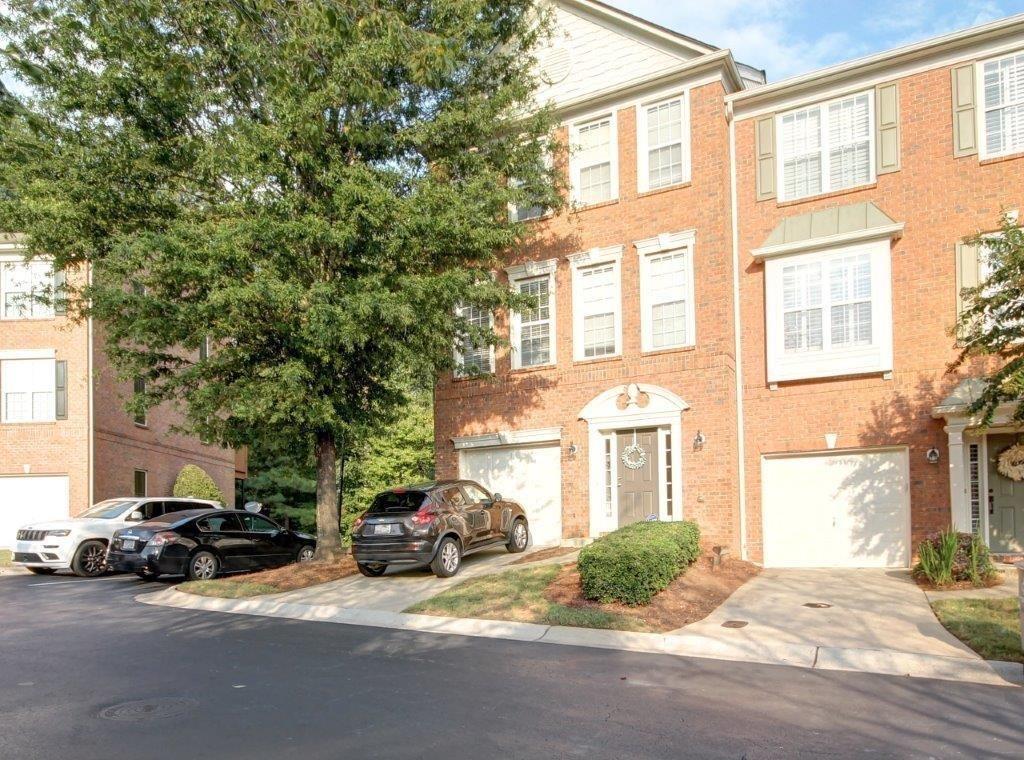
[(425, 515), (162, 539)]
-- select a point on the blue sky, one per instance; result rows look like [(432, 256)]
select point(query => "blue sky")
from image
[(789, 37)]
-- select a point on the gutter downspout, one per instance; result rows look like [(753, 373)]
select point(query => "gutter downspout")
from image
[(92, 420), (737, 343)]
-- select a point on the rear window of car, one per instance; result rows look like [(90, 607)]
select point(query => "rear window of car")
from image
[(398, 501)]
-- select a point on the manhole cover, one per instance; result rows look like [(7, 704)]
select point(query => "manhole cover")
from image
[(734, 623), (817, 605), (148, 709)]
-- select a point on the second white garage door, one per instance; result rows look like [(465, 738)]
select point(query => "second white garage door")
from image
[(530, 475), (30, 499), (836, 509)]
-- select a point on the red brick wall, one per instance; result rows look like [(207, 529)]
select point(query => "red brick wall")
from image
[(941, 199), (703, 376)]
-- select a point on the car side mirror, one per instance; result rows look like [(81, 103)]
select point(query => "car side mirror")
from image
[(135, 516), (495, 497)]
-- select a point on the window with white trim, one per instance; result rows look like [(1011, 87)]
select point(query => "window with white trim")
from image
[(663, 152), (826, 147), (28, 390), (829, 312), (472, 359), (667, 287), (593, 162), (599, 291), (533, 331), (1002, 90), (24, 287)]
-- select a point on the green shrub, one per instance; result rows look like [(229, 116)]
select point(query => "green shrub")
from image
[(194, 483), (634, 563), (949, 557)]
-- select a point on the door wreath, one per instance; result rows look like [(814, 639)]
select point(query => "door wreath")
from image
[(634, 456), (1010, 463)]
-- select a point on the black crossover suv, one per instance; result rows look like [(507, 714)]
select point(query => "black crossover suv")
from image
[(437, 524), (202, 543)]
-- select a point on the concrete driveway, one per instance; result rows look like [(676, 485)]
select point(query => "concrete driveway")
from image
[(400, 588), (867, 609)]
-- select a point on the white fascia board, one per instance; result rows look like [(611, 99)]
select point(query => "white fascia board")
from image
[(597, 255), (831, 241), (508, 438), (640, 29), (27, 353)]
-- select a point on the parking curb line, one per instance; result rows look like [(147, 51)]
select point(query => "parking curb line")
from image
[(880, 662)]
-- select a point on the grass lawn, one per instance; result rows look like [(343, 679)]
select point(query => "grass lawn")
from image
[(518, 595), (991, 627), (288, 578), (5, 557)]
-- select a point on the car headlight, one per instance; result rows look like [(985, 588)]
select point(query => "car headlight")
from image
[(58, 533)]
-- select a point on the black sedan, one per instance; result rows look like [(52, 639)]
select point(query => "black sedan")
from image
[(436, 524), (203, 543)]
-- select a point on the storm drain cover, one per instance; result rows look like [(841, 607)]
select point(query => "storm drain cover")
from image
[(734, 623), (817, 605), (149, 709)]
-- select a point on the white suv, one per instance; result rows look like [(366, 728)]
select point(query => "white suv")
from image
[(80, 543)]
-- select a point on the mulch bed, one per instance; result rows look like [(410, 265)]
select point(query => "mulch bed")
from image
[(298, 575), (927, 585), (689, 598), (554, 551)]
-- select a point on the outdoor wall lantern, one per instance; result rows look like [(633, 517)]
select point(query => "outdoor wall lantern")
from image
[(699, 440), (932, 455), (573, 448)]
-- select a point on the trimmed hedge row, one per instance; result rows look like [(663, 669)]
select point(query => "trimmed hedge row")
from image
[(634, 563)]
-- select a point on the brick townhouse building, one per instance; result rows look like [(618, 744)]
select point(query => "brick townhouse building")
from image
[(744, 315), (66, 441)]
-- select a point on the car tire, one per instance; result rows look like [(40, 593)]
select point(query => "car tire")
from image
[(203, 566), (90, 559), (147, 575), (305, 553), (42, 570), (518, 536), (448, 558), (373, 570)]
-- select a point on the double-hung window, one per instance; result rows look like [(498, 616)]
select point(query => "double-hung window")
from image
[(1002, 92), (829, 312), (666, 291), (597, 297), (533, 330), (472, 355), (593, 162), (28, 390), (25, 287), (663, 155), (826, 147)]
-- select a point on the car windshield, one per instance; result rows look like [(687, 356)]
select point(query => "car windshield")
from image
[(108, 510), (398, 501)]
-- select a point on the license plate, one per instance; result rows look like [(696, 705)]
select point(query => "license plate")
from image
[(128, 544), (387, 529)]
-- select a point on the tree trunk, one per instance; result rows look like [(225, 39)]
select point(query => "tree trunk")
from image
[(328, 534)]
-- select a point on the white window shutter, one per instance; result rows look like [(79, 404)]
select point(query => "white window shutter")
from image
[(887, 127), (765, 156), (965, 118)]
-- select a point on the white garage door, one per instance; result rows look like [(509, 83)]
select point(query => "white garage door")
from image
[(839, 509), (29, 499), (530, 475)]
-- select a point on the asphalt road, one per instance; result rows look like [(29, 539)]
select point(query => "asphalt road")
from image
[(71, 649)]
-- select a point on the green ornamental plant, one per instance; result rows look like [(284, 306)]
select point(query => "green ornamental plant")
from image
[(194, 482), (950, 557)]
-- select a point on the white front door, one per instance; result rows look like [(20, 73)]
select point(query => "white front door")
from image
[(836, 509), (30, 499), (530, 475)]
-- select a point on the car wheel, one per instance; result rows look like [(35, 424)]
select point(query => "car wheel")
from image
[(374, 570), (305, 554), (204, 566), (42, 570), (518, 536), (147, 575), (90, 559), (448, 559)]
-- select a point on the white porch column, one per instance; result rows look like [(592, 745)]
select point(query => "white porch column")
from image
[(959, 507)]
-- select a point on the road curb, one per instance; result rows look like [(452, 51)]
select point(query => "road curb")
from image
[(882, 662)]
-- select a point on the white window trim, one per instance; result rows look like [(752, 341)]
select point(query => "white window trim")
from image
[(875, 358), (459, 363), (595, 256), (665, 243), (826, 188), (18, 259), (574, 163), (529, 271), (28, 355), (642, 149), (979, 99)]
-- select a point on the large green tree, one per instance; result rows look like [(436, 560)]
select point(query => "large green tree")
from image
[(990, 329), (313, 185)]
